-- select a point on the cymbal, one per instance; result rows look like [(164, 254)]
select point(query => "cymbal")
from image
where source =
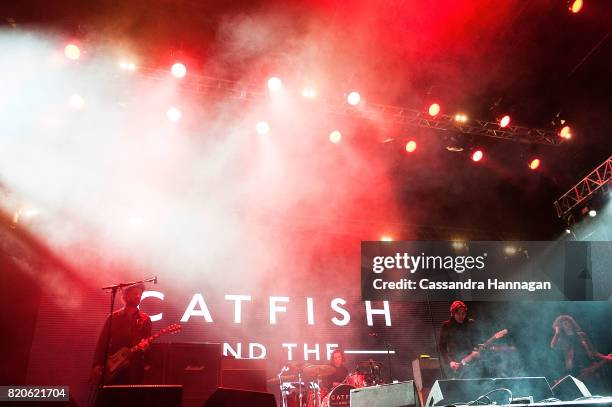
[(369, 362), (319, 370), (284, 378), (296, 365)]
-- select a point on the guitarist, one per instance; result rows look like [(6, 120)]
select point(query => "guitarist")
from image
[(129, 327), (581, 360), (458, 339)]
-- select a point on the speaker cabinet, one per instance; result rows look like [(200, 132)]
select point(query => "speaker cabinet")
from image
[(401, 394), (223, 397), (445, 392), (245, 374), (195, 366), (141, 395), (569, 389)]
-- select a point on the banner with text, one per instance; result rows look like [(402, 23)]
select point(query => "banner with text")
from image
[(486, 271)]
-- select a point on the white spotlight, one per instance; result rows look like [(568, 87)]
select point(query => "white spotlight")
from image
[(592, 213), (76, 101), (353, 98), (174, 114), (179, 70), (274, 84), (309, 93), (127, 66), (335, 136), (262, 128)]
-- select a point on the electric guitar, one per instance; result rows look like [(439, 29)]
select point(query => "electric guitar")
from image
[(593, 370), (120, 359), (466, 361)]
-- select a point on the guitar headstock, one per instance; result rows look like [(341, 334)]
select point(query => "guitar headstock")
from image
[(501, 334), (170, 329)]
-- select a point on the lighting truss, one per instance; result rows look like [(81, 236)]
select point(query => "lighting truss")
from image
[(390, 115), (585, 189)]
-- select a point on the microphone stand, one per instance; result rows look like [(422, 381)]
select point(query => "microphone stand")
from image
[(113, 290), (388, 345)]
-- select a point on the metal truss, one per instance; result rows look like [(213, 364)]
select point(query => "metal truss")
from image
[(585, 189), (391, 115)]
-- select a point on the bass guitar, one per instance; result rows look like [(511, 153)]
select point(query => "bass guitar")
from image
[(466, 362)]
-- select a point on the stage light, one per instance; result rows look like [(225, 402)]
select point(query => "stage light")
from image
[(309, 93), (335, 136), (72, 52), (576, 6), (434, 109), (135, 220), (534, 164), (477, 155), (76, 101), (504, 121), (179, 70), (510, 250), (592, 213), (274, 84), (262, 128), (458, 244), (461, 118), (386, 238), (174, 114), (411, 146), (127, 65), (568, 231), (353, 98), (566, 132)]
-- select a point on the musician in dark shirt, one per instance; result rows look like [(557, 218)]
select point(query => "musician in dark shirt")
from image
[(581, 360), (129, 328), (458, 338), (336, 378)]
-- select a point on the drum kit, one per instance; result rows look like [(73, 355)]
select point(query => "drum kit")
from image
[(301, 384)]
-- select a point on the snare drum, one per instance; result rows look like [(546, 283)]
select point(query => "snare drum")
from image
[(338, 396)]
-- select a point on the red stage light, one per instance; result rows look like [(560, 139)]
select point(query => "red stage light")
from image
[(72, 51), (386, 238), (566, 132), (504, 121), (534, 164), (179, 70), (576, 6), (434, 109), (411, 146), (477, 155)]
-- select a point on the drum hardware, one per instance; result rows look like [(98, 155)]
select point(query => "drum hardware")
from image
[(306, 390)]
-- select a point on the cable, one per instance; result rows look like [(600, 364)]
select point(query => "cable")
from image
[(492, 391)]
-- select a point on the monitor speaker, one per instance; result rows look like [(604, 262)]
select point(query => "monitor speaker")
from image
[(401, 394), (569, 389), (141, 395), (458, 391), (223, 397)]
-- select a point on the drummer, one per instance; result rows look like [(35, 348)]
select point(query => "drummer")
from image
[(336, 378)]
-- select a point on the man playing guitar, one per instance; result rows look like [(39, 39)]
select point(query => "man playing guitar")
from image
[(458, 339), (130, 327)]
